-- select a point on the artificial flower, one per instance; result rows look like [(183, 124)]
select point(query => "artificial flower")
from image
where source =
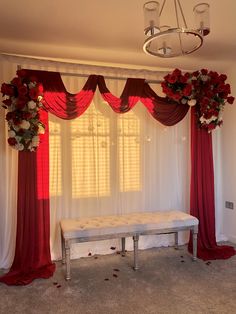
[(205, 89), (23, 103)]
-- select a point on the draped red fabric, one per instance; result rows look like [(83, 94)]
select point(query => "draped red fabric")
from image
[(58, 101), (129, 97), (32, 254), (164, 111), (202, 203)]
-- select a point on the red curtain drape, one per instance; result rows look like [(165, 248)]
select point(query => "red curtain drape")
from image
[(202, 203), (32, 255)]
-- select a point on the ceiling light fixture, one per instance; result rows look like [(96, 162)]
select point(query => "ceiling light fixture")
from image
[(172, 41)]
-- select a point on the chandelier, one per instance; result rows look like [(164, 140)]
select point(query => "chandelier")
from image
[(172, 41)]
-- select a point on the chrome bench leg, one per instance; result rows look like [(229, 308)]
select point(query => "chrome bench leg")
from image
[(67, 249), (63, 249), (194, 233), (136, 238), (123, 245), (176, 240)]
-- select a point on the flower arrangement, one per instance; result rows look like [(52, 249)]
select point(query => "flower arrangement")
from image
[(24, 99), (205, 89)]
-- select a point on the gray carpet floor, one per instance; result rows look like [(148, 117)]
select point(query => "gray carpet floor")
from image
[(168, 282)]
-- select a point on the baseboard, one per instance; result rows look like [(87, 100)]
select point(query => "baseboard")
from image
[(232, 239), (222, 238)]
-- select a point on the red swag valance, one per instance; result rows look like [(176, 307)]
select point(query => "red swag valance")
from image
[(32, 255)]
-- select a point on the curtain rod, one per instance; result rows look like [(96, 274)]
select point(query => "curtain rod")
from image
[(107, 77), (119, 78)]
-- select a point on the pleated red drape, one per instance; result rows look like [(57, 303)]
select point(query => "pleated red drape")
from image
[(32, 255), (202, 202)]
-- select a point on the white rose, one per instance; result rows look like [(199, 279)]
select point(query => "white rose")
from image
[(35, 141), (31, 148), (202, 119), (18, 138), (11, 133), (204, 78), (25, 124), (13, 100), (213, 118), (41, 129), (192, 102), (31, 85), (16, 127), (19, 146), (31, 104)]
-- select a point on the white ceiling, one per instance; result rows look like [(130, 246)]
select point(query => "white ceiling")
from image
[(108, 31)]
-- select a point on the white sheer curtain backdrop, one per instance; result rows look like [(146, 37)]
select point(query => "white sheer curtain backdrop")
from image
[(108, 163), (101, 163), (8, 186)]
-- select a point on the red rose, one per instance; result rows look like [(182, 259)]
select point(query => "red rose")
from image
[(9, 115), (220, 122), (173, 79), (165, 89), (187, 75), (195, 73), (7, 102), (21, 102), (230, 100), (214, 104), (21, 132), (183, 79), (211, 126), (227, 89), (12, 141), (176, 96), (187, 90), (214, 77), (209, 93), (22, 90), (16, 81), (26, 115), (223, 77), (205, 101), (33, 93), (204, 71), (177, 72), (7, 89), (16, 121)]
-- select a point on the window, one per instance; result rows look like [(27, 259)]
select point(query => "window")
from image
[(129, 152), (94, 154)]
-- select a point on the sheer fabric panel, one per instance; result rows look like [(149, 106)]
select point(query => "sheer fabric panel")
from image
[(8, 187), (105, 163)]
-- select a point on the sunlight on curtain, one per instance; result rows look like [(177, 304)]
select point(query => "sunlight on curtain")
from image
[(129, 152)]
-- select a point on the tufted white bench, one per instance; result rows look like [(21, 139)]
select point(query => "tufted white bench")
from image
[(122, 226)]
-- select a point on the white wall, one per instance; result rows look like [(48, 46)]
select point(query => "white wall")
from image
[(229, 162)]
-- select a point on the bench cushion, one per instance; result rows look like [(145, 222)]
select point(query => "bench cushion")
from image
[(118, 224)]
